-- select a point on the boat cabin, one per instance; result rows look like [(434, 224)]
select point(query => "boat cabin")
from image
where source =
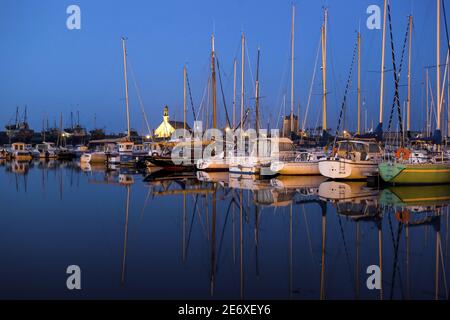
[(125, 146), (273, 147), (138, 148), (45, 146), (360, 150), (18, 146)]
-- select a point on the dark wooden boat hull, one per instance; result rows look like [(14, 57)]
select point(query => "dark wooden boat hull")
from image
[(167, 164)]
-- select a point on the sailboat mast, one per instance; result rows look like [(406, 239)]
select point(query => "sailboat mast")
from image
[(382, 63), (408, 115), (427, 122), (17, 116), (59, 140), (126, 85), (242, 80), (448, 105), (438, 67), (234, 94), (257, 96), (43, 129), (213, 77), (359, 82), (184, 97), (324, 70), (292, 69)]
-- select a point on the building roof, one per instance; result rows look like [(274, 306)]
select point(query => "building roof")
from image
[(178, 125)]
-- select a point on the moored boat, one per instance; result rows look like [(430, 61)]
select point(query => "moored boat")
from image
[(305, 163), (19, 152), (353, 160), (94, 157), (45, 150), (432, 172)]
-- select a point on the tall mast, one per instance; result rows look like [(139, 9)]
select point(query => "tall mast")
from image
[(408, 114), (359, 82), (43, 128), (292, 69), (427, 122), (284, 109), (234, 94), (213, 77), (184, 97), (382, 64), (257, 96), (59, 140), (324, 70), (17, 116), (242, 81), (126, 85), (448, 104), (438, 67)]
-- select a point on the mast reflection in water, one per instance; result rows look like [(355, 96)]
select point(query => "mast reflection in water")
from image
[(211, 235)]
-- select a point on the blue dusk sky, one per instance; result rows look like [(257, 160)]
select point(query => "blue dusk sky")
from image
[(52, 69)]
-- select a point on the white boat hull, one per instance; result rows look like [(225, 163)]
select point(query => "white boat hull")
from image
[(296, 168), (243, 169), (338, 168), (95, 157), (213, 164), (244, 166)]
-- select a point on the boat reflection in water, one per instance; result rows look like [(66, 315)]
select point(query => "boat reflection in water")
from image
[(18, 167), (305, 185), (221, 177), (353, 199), (219, 235), (422, 206)]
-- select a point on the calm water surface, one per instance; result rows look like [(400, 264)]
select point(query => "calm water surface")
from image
[(215, 236)]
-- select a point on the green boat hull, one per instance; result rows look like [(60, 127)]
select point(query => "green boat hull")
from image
[(398, 173), (416, 195)]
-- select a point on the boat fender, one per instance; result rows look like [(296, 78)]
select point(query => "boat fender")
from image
[(402, 216), (402, 153), (334, 152)]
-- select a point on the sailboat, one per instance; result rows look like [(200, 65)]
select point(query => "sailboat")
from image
[(125, 148), (436, 170), (254, 163), (358, 158), (220, 161), (189, 151), (305, 162), (122, 153), (352, 160)]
